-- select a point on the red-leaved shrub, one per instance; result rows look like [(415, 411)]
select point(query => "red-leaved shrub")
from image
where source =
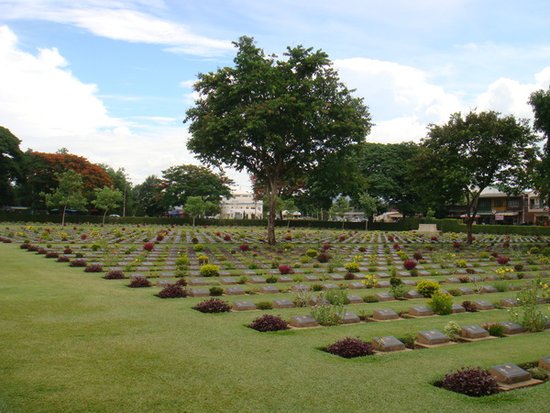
[(93, 268), (213, 305), (409, 264), (148, 246), (172, 291), (139, 282), (79, 262), (350, 347), (286, 269), (474, 382), (268, 322), (503, 260), (114, 275)]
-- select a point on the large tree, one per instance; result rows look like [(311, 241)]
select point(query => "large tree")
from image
[(10, 165), (40, 171), (540, 101), (471, 152), (388, 171), (148, 196), (275, 118), (183, 181)]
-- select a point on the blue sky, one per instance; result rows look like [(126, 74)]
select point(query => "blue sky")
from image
[(110, 80)]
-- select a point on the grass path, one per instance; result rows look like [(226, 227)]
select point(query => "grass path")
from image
[(73, 342)]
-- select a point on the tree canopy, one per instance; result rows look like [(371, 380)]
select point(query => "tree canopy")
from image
[(472, 152), (540, 102), (275, 118), (68, 193), (389, 175), (183, 181), (107, 199), (10, 165)]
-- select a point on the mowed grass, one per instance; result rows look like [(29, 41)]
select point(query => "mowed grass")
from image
[(73, 342)]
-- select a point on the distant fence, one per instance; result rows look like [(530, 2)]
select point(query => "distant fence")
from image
[(406, 224)]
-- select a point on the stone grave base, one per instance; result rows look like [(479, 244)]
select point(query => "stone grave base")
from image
[(528, 383), (472, 340), (369, 319), (422, 345), (419, 316), (392, 351)]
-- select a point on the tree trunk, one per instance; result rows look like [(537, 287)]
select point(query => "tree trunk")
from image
[(469, 225), (104, 216), (367, 224), (63, 216), (193, 220), (272, 189)]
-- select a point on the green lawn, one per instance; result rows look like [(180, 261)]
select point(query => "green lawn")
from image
[(71, 341)]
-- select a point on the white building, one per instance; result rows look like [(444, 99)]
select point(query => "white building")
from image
[(241, 205)]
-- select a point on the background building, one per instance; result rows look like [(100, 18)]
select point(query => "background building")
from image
[(241, 205)]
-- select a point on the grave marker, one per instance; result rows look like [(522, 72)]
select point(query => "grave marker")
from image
[(474, 332), (302, 321), (384, 314), (431, 338), (511, 328), (243, 306), (420, 311), (388, 343)]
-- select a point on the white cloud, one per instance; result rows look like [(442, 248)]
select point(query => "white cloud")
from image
[(401, 99), (40, 97), (510, 97), (118, 21), (47, 107)]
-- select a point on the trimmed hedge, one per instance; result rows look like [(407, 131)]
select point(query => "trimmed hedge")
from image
[(406, 224)]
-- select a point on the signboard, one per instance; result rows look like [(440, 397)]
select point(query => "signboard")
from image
[(499, 217)]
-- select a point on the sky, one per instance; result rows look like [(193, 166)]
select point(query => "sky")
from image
[(111, 80)]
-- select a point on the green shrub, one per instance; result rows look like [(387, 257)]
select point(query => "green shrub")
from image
[(182, 262), (198, 247), (311, 253), (501, 287), (455, 292), (399, 291), (352, 266), (370, 299), (441, 304), (452, 329), (327, 314), (264, 305), (210, 270), (305, 260), (336, 297), (316, 287), (539, 373), (408, 339), (216, 291), (271, 279), (494, 329), (427, 288), (203, 259), (527, 312)]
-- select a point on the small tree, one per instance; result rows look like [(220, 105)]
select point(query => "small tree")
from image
[(368, 205), (195, 206), (106, 199), (339, 209), (68, 194)]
